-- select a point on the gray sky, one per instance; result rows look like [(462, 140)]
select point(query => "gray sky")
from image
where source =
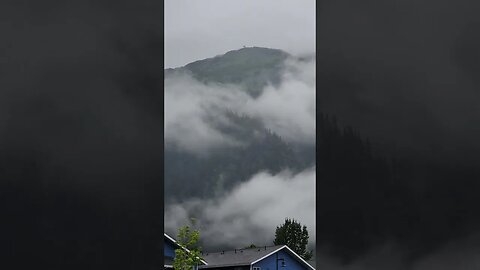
[(199, 29)]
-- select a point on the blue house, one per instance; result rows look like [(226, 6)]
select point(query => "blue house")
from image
[(169, 247), (263, 258)]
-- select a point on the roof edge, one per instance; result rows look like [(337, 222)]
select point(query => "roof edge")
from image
[(268, 255), (290, 251), (184, 248)]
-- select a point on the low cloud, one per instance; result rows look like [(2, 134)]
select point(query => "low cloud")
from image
[(250, 213), (191, 111), (289, 110), (194, 110)]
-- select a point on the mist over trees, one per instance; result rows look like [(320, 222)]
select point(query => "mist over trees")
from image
[(240, 129), (256, 147), (366, 199), (225, 168)]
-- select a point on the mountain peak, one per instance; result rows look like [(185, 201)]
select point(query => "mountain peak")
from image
[(244, 56), (250, 67), (250, 51)]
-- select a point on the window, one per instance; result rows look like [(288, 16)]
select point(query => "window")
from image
[(257, 268)]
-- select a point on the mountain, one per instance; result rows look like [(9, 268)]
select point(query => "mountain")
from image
[(370, 195), (372, 192), (252, 67), (262, 149)]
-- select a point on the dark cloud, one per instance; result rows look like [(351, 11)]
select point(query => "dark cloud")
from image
[(79, 133), (404, 73), (461, 253)]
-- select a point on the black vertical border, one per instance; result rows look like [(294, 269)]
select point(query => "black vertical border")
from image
[(317, 102), (24, 241)]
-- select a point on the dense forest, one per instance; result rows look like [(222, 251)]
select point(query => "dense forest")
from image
[(367, 199), (223, 169)]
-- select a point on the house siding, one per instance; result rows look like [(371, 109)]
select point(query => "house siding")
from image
[(230, 268), (169, 249), (168, 252), (270, 263)]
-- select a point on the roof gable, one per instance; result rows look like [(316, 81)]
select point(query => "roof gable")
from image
[(250, 256), (291, 252)]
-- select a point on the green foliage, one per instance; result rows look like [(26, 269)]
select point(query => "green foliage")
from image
[(251, 246), (292, 234), (189, 255)]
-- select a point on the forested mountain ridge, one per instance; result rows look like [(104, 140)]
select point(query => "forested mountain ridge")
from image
[(261, 149), (251, 67), (224, 168)]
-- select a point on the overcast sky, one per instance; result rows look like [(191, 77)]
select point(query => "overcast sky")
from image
[(197, 29)]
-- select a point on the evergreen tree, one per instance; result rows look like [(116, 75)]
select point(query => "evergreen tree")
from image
[(292, 234)]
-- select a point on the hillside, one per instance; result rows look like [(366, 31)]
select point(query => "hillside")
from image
[(263, 150)]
